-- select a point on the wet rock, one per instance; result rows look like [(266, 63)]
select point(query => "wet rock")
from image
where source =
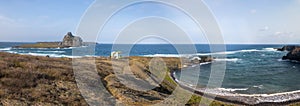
[(294, 53), (287, 48)]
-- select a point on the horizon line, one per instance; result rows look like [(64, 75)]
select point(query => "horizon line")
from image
[(170, 44)]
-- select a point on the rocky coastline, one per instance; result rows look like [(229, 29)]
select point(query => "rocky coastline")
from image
[(284, 98), (293, 53), (36, 80), (57, 85)]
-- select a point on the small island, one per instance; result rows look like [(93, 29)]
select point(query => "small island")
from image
[(69, 40)]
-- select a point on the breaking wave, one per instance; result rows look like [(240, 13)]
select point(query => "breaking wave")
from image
[(229, 59), (216, 53), (50, 55), (5, 49)]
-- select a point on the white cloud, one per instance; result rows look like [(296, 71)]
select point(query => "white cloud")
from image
[(6, 20), (284, 34)]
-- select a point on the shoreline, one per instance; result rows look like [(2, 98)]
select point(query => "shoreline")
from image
[(228, 92), (243, 99), (227, 96)]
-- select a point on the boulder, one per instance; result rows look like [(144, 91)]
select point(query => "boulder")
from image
[(71, 41), (294, 53), (206, 59)]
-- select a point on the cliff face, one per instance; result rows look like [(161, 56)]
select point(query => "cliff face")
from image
[(294, 53), (71, 41)]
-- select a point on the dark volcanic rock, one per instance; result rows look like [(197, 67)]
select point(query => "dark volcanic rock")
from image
[(71, 41), (288, 48), (294, 53)]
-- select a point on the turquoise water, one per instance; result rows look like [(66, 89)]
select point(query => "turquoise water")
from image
[(250, 69)]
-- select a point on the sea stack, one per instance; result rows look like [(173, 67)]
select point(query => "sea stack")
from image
[(294, 53), (71, 41)]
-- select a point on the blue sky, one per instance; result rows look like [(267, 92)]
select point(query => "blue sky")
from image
[(241, 21)]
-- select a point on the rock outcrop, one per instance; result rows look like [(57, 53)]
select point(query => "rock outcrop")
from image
[(294, 53), (68, 41), (287, 48), (71, 41)]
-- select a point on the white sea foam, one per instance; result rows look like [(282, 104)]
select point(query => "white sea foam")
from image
[(280, 60), (232, 89), (205, 63), (31, 48), (230, 52), (91, 56), (258, 86), (75, 47), (51, 51), (284, 96), (216, 53), (270, 49), (5, 49), (239, 89), (163, 55), (229, 59), (50, 55)]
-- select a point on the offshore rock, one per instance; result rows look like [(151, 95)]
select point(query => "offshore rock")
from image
[(71, 41)]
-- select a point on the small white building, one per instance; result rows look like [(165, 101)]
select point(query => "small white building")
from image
[(115, 55)]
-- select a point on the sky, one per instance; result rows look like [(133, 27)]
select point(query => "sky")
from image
[(241, 21)]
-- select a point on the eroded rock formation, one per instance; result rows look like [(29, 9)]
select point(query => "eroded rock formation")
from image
[(294, 53), (71, 41)]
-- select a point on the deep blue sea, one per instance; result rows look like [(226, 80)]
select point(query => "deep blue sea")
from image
[(250, 69)]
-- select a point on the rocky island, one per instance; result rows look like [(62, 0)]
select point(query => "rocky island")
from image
[(69, 40)]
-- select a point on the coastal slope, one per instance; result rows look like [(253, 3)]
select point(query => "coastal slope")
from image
[(33, 80)]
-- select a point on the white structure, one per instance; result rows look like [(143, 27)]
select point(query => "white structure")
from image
[(115, 55), (195, 59)]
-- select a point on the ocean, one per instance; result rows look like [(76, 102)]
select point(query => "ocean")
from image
[(250, 69)]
